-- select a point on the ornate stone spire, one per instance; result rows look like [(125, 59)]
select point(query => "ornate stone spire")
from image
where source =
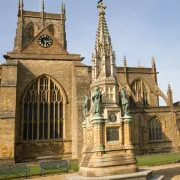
[(104, 57)]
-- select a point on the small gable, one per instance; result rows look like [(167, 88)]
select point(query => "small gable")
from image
[(44, 43)]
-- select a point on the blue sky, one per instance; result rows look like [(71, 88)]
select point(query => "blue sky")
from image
[(139, 29)]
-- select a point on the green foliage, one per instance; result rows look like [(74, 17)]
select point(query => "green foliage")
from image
[(152, 160)]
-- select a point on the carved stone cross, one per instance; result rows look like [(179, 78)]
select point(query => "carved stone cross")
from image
[(101, 6)]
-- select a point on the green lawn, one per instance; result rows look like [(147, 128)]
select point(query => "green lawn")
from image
[(152, 160), (146, 160), (35, 170)]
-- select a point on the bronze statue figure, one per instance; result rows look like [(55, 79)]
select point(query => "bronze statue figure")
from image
[(124, 101), (97, 100)]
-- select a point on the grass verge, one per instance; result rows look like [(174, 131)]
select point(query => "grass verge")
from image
[(35, 171), (146, 160), (152, 160)]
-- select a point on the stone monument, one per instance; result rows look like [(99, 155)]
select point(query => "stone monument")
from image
[(107, 147)]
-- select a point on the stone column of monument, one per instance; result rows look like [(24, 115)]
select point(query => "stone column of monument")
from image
[(127, 124), (97, 126), (107, 149)]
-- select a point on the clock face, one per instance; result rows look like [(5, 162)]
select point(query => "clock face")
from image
[(45, 41)]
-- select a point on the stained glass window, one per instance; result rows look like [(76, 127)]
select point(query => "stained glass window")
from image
[(155, 129), (42, 114)]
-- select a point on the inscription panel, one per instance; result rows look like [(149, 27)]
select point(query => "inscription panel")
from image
[(112, 134)]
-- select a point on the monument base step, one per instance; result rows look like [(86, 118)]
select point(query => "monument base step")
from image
[(140, 175)]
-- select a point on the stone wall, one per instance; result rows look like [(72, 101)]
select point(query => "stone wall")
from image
[(7, 131), (29, 70), (7, 109), (75, 79)]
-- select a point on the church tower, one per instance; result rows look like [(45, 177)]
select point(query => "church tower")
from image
[(30, 24), (37, 89)]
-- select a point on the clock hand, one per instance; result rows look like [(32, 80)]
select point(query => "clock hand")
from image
[(45, 43)]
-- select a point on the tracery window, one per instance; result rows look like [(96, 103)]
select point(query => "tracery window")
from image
[(155, 129), (140, 91), (30, 32), (51, 29), (42, 115)]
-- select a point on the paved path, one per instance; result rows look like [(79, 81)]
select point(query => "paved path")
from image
[(170, 171)]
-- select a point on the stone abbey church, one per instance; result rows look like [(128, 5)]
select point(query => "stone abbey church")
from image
[(42, 87)]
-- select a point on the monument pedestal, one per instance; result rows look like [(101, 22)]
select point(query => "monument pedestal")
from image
[(103, 156)]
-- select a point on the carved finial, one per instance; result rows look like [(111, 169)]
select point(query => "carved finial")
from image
[(101, 7), (22, 7), (169, 88), (139, 64), (19, 7), (42, 5), (125, 62), (114, 54), (153, 59), (153, 62), (63, 12), (22, 4), (170, 96), (62, 8)]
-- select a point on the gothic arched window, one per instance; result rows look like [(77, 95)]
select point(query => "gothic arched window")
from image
[(155, 129), (51, 29), (42, 111), (30, 31), (140, 91)]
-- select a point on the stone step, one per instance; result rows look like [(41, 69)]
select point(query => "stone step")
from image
[(156, 178), (141, 175)]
